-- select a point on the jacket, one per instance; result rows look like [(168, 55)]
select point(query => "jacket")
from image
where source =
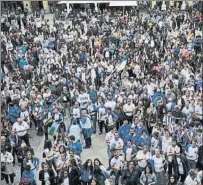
[(175, 164), (129, 178), (51, 176)]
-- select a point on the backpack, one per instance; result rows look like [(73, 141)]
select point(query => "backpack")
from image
[(85, 176)]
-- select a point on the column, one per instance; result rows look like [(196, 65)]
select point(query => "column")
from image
[(45, 6), (68, 7), (28, 3), (190, 3), (163, 7), (96, 8), (153, 4)]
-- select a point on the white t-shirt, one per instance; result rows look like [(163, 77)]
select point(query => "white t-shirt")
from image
[(18, 127), (158, 163), (166, 143), (192, 153), (129, 109), (128, 154), (117, 163), (109, 137), (172, 149), (143, 163), (118, 143)]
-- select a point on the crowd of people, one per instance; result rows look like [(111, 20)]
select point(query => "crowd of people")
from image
[(137, 78)]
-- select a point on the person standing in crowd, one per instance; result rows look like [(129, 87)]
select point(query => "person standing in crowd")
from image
[(46, 175), (8, 171), (21, 128)]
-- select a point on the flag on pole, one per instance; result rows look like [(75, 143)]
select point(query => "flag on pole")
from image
[(122, 64)]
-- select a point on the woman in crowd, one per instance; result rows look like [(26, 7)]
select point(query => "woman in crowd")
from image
[(98, 172), (74, 172), (87, 172), (148, 176), (172, 180), (33, 161), (46, 175)]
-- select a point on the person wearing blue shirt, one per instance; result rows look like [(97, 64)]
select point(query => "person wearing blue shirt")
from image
[(124, 129), (92, 111), (28, 176), (13, 113), (140, 127), (131, 136), (86, 128), (74, 145), (144, 140), (93, 94), (22, 63), (158, 95)]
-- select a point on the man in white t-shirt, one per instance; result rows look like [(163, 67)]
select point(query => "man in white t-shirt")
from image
[(192, 155), (116, 165), (21, 127), (142, 158)]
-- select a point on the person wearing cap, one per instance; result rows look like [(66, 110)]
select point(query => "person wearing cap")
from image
[(191, 152), (142, 157)]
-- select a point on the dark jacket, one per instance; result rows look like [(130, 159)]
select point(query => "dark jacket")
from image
[(184, 162), (51, 176), (17, 141), (130, 178), (74, 176), (23, 152)]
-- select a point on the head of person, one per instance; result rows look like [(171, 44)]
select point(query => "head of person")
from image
[(174, 142), (132, 131), (157, 153), (94, 182), (131, 165), (65, 173), (71, 139), (88, 163), (27, 168), (172, 179), (144, 133), (20, 121), (3, 140), (62, 149), (148, 169), (72, 154), (45, 166), (116, 154), (97, 162), (29, 155), (116, 135), (72, 163), (125, 122), (145, 149)]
